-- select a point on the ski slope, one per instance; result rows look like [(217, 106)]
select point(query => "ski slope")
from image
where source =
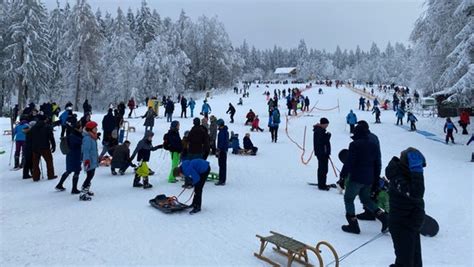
[(39, 226)]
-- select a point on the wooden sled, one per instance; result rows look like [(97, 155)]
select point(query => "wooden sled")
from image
[(294, 250), (167, 204), (105, 162), (7, 132)]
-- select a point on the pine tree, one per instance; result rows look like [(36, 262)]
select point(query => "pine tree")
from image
[(28, 63)]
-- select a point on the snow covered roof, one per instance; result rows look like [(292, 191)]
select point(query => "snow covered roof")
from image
[(290, 70)]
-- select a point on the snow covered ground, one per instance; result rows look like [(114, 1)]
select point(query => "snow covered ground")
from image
[(39, 226)]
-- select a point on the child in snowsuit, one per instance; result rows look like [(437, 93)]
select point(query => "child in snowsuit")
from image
[(235, 144), (143, 151), (400, 114), (255, 125), (90, 158), (448, 129), (73, 159), (173, 143), (195, 173), (412, 120), (377, 114)]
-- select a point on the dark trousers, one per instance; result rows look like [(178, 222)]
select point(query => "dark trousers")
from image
[(19, 148), (322, 170), (258, 129), (464, 128), (351, 128), (412, 126), (122, 166), (169, 117), (231, 117), (183, 112), (222, 166), (27, 165), (75, 179), (377, 118), (87, 182), (406, 242), (449, 135), (399, 120), (48, 157), (130, 114), (197, 200), (212, 144), (274, 133), (63, 130)]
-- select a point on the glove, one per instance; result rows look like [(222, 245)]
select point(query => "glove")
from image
[(53, 149), (87, 164), (188, 182)]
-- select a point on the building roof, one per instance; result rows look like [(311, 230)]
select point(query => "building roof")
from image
[(290, 70)]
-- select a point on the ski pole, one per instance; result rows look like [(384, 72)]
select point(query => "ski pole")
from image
[(333, 168), (11, 154)]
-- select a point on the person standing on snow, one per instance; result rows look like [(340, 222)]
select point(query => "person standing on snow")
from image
[(377, 114), (273, 123), (43, 145), (149, 119), (407, 207), (191, 105), (195, 173), (400, 114), (206, 109), (172, 142), (169, 109), (90, 158), (20, 138), (198, 139), (184, 103), (73, 159), (143, 152), (448, 129), (322, 150), (213, 134), (222, 147), (464, 121), (361, 168), (412, 120), (131, 105), (231, 111), (351, 119)]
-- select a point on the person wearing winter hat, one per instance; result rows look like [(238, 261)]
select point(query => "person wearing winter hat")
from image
[(222, 147), (73, 159), (322, 150), (407, 207), (43, 145), (362, 168), (90, 158), (19, 134), (143, 151), (213, 134), (173, 143), (28, 152)]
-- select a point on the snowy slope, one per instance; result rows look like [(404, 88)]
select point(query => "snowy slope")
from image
[(39, 226)]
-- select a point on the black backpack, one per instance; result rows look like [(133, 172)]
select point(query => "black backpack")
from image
[(63, 146)]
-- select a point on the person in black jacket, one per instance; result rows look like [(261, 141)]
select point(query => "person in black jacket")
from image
[(73, 158), (43, 145), (143, 151), (121, 158), (28, 152), (87, 107), (407, 208), (248, 145), (169, 109), (184, 104), (108, 123), (198, 139), (172, 142), (231, 111), (362, 167), (322, 150)]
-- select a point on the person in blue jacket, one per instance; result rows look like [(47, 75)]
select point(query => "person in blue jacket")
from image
[(206, 109), (73, 159), (90, 158), (400, 114), (351, 119), (235, 144), (274, 122), (20, 137), (191, 105), (449, 127), (195, 173), (222, 147)]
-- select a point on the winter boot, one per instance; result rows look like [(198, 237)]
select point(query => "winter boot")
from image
[(60, 187), (353, 226), (366, 216), (84, 196), (194, 211), (136, 181), (114, 172), (75, 180), (383, 218), (17, 163), (146, 184), (151, 172)]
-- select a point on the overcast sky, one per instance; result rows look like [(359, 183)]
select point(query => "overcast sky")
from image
[(323, 24)]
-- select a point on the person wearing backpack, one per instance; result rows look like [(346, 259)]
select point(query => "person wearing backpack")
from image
[(71, 146), (407, 207), (173, 143), (273, 123)]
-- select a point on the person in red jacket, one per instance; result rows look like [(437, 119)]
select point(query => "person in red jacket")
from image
[(255, 125), (464, 121), (250, 117), (131, 106)]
